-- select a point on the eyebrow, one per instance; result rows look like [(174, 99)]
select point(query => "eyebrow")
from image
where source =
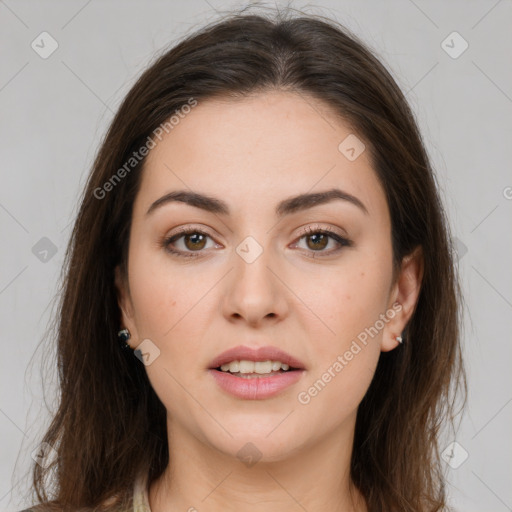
[(285, 207)]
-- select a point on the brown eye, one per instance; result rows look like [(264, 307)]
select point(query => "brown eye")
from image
[(189, 242), (195, 241), (318, 241)]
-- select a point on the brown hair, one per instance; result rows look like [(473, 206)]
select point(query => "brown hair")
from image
[(110, 425)]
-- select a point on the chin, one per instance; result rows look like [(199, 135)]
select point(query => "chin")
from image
[(250, 451), (251, 445)]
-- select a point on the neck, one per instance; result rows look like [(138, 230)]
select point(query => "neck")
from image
[(201, 477)]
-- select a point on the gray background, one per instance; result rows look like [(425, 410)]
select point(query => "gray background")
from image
[(54, 112)]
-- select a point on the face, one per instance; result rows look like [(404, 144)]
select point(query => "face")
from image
[(312, 278)]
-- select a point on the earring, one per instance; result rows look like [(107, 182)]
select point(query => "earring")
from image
[(123, 336), (399, 339)]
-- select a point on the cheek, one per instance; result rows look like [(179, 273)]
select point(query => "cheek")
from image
[(335, 392), (346, 355), (349, 300), (161, 293)]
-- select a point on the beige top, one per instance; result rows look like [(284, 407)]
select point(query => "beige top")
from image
[(140, 494)]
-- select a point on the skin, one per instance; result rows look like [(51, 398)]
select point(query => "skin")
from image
[(253, 153)]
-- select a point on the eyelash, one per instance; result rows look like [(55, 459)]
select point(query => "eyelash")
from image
[(343, 242)]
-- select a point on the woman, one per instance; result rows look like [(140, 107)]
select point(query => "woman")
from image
[(260, 309)]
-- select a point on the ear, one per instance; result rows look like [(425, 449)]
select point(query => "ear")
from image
[(125, 303), (403, 298)]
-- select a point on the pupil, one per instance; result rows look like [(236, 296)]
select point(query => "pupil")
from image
[(316, 242), (195, 242)]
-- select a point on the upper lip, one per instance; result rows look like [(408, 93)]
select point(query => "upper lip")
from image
[(256, 354)]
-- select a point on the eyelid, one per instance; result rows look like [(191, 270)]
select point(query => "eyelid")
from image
[(183, 230), (310, 228)]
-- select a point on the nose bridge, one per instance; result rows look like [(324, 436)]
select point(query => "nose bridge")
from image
[(254, 292)]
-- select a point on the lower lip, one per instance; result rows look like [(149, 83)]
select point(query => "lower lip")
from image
[(256, 388)]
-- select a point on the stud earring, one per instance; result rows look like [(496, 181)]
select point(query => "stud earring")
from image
[(123, 336), (399, 339)]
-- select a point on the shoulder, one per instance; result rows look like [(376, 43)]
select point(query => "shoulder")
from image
[(135, 499)]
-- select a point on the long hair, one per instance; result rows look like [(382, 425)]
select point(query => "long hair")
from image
[(109, 425)]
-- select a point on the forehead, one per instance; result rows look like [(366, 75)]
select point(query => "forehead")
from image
[(258, 149)]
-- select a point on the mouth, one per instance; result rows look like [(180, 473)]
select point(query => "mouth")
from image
[(260, 361), (255, 373), (247, 369)]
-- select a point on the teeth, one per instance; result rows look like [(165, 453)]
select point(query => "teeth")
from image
[(260, 367), (234, 366), (247, 367)]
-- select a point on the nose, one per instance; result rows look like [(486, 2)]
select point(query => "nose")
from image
[(254, 293)]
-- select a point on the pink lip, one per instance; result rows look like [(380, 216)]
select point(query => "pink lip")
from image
[(256, 354), (257, 388)]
